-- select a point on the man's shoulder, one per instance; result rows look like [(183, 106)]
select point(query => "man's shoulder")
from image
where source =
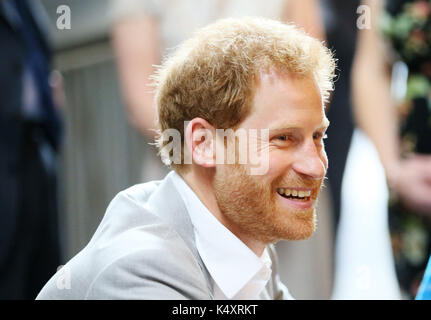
[(161, 269), (155, 263), (128, 218), (134, 254)]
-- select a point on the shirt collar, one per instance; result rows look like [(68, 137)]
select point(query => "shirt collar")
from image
[(229, 261)]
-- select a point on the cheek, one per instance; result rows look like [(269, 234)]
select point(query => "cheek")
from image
[(279, 164)]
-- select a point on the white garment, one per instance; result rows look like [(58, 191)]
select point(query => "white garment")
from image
[(178, 19), (237, 272), (364, 266)]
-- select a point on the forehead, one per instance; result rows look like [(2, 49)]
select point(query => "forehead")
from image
[(283, 99)]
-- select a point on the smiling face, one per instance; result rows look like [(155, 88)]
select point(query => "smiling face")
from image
[(281, 203)]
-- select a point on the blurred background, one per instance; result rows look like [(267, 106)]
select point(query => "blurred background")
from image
[(102, 152), (97, 109)]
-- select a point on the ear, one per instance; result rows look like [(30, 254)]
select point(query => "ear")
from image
[(200, 142)]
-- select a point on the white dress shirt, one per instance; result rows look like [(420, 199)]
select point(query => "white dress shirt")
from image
[(237, 272)]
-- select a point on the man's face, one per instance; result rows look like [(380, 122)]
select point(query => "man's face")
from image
[(281, 203)]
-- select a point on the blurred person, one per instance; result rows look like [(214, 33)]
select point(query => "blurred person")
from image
[(206, 230), (401, 135), (144, 31), (354, 168), (30, 130)]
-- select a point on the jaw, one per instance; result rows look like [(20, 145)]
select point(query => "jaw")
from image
[(295, 220)]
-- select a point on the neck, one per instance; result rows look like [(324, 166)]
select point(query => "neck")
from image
[(200, 180)]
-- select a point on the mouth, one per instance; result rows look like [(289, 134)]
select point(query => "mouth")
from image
[(296, 197), (295, 194)]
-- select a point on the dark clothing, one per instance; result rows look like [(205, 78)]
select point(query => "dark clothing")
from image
[(29, 245), (340, 22), (33, 254)]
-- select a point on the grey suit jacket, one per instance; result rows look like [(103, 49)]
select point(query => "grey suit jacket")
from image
[(144, 248)]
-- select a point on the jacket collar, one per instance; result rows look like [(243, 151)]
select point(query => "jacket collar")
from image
[(167, 203)]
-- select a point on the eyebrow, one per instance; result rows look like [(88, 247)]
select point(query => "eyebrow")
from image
[(289, 126)]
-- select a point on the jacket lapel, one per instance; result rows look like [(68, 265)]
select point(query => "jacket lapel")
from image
[(167, 203)]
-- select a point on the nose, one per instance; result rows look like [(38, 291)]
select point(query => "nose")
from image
[(311, 161)]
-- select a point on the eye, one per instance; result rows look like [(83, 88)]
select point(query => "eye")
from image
[(319, 135), (284, 140), (283, 137)]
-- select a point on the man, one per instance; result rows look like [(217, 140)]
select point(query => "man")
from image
[(206, 230), (30, 130)]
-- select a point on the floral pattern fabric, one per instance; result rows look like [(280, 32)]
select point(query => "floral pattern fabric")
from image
[(407, 26)]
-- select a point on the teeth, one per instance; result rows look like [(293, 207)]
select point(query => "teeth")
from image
[(294, 193)]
